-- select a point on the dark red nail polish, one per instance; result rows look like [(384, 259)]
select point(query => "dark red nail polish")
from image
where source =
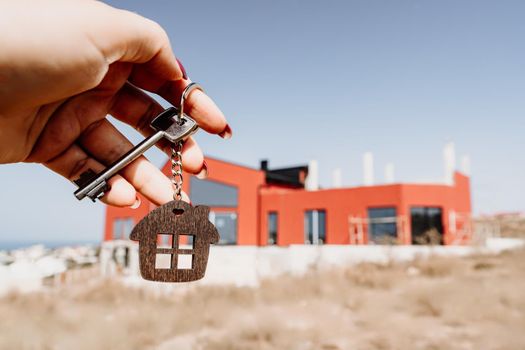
[(184, 75), (226, 133), (204, 171)]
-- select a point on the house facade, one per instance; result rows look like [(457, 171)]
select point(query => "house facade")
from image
[(260, 207)]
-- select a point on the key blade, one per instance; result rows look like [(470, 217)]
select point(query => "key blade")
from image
[(166, 124)]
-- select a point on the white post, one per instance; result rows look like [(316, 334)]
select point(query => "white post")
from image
[(449, 159), (134, 267), (312, 180), (368, 169), (105, 257), (389, 173), (315, 227), (465, 165), (337, 178)]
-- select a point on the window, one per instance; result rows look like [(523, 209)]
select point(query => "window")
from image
[(382, 227), (212, 193), (226, 224), (174, 251), (272, 228), (314, 227), (427, 225), (122, 228)]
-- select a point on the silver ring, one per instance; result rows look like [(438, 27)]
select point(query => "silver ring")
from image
[(185, 93)]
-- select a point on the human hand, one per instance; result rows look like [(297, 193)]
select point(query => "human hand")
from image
[(64, 66)]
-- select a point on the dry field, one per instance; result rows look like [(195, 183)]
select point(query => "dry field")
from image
[(469, 303)]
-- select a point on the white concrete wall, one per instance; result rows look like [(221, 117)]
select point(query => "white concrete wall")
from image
[(247, 265)]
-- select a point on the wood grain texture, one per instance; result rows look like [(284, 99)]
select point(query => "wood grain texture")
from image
[(167, 219)]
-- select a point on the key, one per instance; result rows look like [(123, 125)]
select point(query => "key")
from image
[(94, 185)]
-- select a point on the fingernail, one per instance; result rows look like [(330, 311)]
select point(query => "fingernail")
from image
[(204, 171), (184, 75), (137, 203), (226, 133)]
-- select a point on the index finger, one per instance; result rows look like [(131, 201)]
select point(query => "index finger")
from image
[(198, 105)]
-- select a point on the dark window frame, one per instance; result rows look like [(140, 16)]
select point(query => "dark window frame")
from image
[(272, 239), (428, 220), (382, 232), (124, 226), (308, 224), (214, 214)]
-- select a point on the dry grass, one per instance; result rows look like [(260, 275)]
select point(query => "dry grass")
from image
[(441, 303), (508, 225)]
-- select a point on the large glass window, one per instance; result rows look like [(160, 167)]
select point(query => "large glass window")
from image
[(212, 193), (314, 227), (122, 228), (427, 225), (226, 224), (272, 228), (382, 225)]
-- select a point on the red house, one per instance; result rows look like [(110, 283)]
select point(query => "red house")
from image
[(272, 207)]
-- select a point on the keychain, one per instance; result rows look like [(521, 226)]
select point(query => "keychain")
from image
[(174, 239)]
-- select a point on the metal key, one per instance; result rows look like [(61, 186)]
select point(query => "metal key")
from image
[(167, 126)]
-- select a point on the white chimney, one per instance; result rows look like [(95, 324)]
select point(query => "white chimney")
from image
[(337, 178), (389, 173), (312, 180), (368, 169), (449, 158), (465, 165)]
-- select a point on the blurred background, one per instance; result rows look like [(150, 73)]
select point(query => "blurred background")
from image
[(371, 196)]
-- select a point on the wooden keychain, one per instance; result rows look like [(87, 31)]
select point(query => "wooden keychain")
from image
[(174, 239)]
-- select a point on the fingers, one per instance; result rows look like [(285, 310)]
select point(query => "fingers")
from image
[(193, 159), (198, 105), (69, 119), (106, 144), (74, 161), (127, 37), (136, 108)]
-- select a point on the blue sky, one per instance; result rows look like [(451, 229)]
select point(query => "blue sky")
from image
[(301, 80)]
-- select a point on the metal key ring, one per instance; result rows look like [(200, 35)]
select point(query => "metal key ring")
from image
[(185, 93)]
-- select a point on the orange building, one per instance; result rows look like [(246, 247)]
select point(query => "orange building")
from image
[(267, 207)]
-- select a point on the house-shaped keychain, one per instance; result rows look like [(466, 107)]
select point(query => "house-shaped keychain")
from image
[(174, 242)]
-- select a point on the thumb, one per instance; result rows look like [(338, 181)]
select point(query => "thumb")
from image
[(125, 36)]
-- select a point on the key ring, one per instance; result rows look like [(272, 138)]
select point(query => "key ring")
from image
[(176, 150), (185, 93)]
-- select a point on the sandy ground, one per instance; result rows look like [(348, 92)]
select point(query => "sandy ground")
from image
[(442, 303)]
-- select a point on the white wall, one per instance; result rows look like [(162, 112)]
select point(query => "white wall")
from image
[(247, 265)]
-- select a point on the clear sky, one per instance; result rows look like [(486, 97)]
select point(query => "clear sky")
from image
[(329, 80)]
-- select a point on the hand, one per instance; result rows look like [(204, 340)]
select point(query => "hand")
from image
[(64, 66)]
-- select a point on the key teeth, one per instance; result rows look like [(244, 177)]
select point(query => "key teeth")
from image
[(85, 178), (104, 190), (99, 191)]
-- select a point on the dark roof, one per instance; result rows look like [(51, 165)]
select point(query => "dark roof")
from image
[(290, 177)]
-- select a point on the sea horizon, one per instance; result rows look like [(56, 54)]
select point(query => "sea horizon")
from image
[(17, 244)]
